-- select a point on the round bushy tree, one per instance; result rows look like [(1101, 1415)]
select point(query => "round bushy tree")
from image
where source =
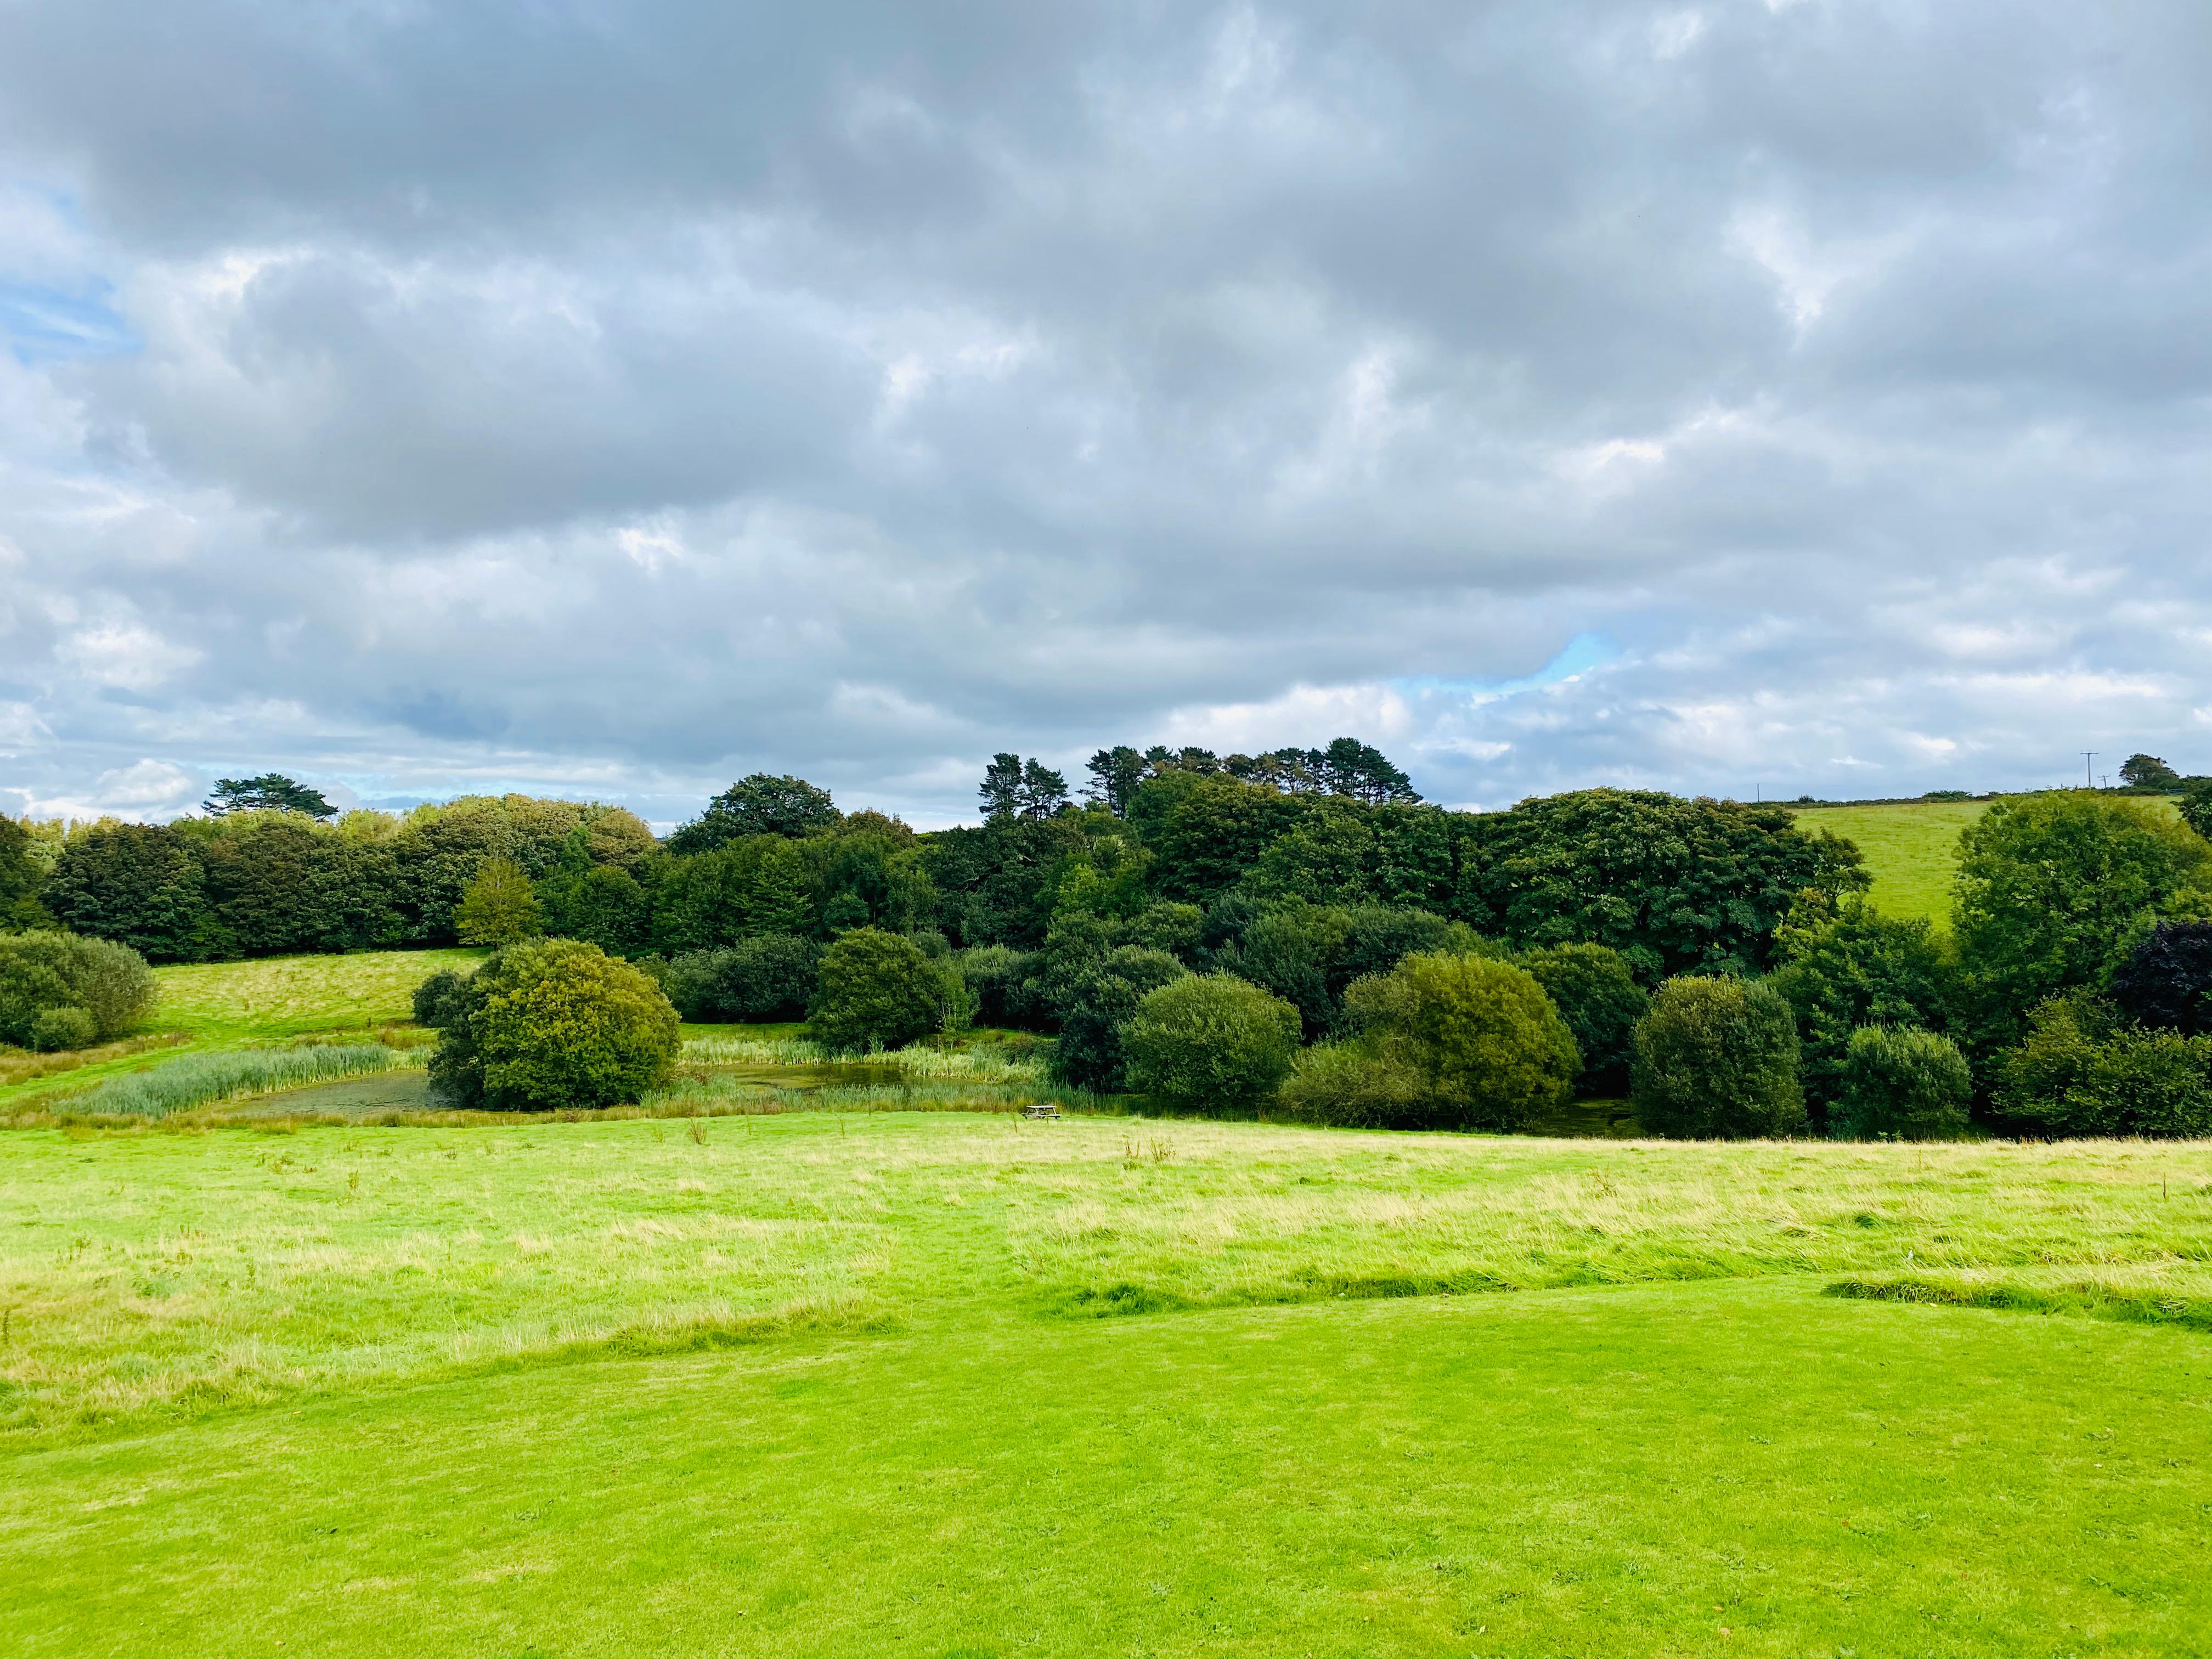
[(1352, 1085), (1599, 999), (1901, 1083), (65, 1027), (1095, 1004), (878, 990), (109, 983), (498, 906), (1716, 1059), (549, 1024), (1857, 968), (1210, 1040), (1491, 1050)]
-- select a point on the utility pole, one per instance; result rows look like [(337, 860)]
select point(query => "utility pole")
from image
[(2088, 781)]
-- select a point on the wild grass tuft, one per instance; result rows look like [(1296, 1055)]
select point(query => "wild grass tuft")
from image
[(208, 1079)]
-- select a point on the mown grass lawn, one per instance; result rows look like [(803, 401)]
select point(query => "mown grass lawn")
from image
[(941, 1384)]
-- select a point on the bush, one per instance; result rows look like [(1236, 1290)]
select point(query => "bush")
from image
[(2082, 1073), (1095, 1003), (1210, 1040), (999, 978), (1350, 1085), (498, 906), (773, 977), (546, 1025), (1489, 1048), (1856, 968), (1716, 1059), (109, 983), (877, 991), (1901, 1083), (1600, 1000), (2167, 981), (65, 1027)]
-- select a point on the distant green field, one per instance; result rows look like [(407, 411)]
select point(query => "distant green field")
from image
[(941, 1385), (1911, 848)]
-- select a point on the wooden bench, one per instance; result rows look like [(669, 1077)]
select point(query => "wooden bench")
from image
[(1040, 1109)]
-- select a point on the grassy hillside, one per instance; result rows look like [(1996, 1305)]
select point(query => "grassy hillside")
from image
[(941, 1384)]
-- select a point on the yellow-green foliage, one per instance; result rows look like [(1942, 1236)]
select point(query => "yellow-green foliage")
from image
[(553, 1024), (1490, 1049), (498, 906)]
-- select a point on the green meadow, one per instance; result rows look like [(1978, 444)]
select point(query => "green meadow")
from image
[(951, 1383)]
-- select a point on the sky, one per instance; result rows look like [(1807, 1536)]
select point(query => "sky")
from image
[(1752, 398)]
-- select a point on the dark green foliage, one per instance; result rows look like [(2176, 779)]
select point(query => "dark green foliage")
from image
[(139, 885), (876, 990), (1205, 830), (2081, 1071), (758, 805), (602, 903), (772, 977), (1488, 1048), (441, 849), (1601, 1002), (1174, 928), (1013, 787), (2166, 983), (40, 972), (1001, 978), (1210, 1042), (1309, 954), (21, 875), (1092, 998), (1674, 885), (1114, 774), (2053, 893), (1716, 1059), (2148, 772), (1000, 884), (277, 887), (757, 884), (549, 1025), (272, 792), (1857, 968), (1349, 767), (2195, 805), (1903, 1084)]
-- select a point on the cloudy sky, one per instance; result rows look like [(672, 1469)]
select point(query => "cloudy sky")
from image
[(610, 399)]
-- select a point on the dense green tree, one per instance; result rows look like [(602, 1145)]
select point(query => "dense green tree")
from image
[(603, 904), (1002, 981), (1490, 1050), (1354, 1085), (139, 885), (758, 805), (1716, 1059), (2195, 805), (1600, 1000), (1204, 831), (1209, 1042), (1349, 767), (277, 886), (2148, 772), (1903, 1084), (1857, 968), (21, 875), (2081, 1070), (1115, 775), (548, 1025), (1309, 954), (271, 792), (999, 884), (498, 907), (105, 987), (1674, 885), (1092, 999), (876, 990), (772, 977), (2166, 983), (2053, 892), (755, 884)]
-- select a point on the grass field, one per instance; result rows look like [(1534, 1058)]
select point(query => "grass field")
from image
[(942, 1384)]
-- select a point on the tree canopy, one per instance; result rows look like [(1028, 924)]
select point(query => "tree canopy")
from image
[(271, 792)]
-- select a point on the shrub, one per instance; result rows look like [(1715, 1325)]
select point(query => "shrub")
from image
[(65, 1027), (2081, 1073), (773, 977), (999, 977), (2054, 891), (1600, 1000), (876, 990), (498, 906), (1095, 1002), (549, 1023), (40, 971), (1716, 1059), (1210, 1039), (1901, 1083), (2167, 981), (1350, 1085), (1490, 1049), (1856, 968)]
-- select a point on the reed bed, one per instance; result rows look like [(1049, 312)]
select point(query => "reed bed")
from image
[(211, 1079)]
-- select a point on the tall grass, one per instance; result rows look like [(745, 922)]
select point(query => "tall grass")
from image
[(984, 1063), (204, 1079)]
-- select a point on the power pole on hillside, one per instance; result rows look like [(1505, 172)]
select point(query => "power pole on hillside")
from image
[(2089, 780)]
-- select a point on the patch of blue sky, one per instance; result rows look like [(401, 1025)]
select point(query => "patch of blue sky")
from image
[(1583, 654), (46, 324)]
